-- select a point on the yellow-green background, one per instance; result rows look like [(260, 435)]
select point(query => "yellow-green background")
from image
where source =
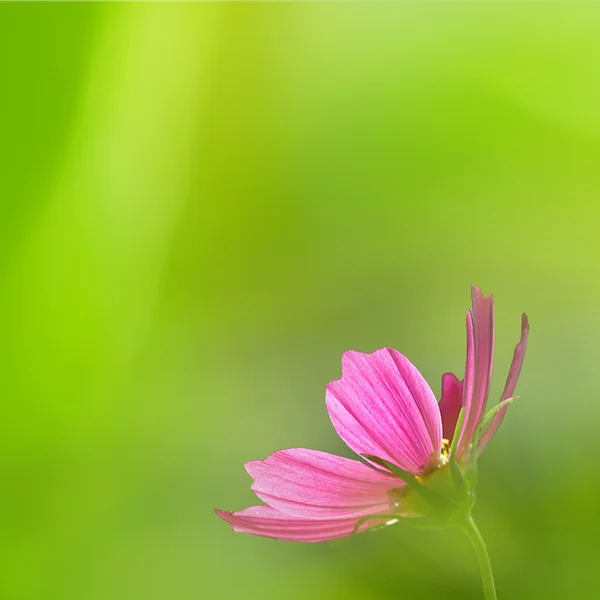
[(203, 206)]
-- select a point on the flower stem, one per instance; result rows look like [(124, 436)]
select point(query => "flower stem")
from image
[(487, 577)]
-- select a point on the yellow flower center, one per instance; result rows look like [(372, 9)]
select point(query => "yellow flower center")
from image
[(446, 447), (404, 500), (437, 460)]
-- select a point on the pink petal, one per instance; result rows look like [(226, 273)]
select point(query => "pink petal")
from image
[(450, 404), (383, 406), (269, 522), (480, 358), (511, 384), (317, 485)]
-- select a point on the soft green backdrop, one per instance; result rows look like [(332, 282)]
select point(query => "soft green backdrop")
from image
[(203, 206)]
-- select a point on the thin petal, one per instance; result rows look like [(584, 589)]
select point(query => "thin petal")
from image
[(450, 404), (269, 522), (480, 358), (383, 406), (511, 384), (317, 485)]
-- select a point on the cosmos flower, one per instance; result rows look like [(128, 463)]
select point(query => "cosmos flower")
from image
[(385, 411)]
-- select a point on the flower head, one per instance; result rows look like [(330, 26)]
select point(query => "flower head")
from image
[(385, 411)]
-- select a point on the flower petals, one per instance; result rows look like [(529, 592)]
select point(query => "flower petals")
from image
[(269, 522), (312, 484), (450, 404), (383, 406), (511, 384), (480, 358)]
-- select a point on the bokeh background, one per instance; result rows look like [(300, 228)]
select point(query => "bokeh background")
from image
[(203, 206)]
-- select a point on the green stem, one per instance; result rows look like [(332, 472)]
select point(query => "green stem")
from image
[(469, 527)]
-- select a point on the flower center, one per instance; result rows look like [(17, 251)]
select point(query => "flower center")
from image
[(437, 460), (446, 447), (398, 497)]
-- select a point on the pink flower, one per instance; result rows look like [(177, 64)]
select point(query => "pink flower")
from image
[(381, 407)]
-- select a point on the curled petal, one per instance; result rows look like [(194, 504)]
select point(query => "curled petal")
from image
[(510, 386), (317, 485), (450, 404), (269, 522), (480, 358), (382, 406)]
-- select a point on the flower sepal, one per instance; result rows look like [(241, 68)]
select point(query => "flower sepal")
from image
[(443, 495), (430, 496), (489, 416)]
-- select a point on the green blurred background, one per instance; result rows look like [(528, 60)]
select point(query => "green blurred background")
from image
[(203, 206)]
